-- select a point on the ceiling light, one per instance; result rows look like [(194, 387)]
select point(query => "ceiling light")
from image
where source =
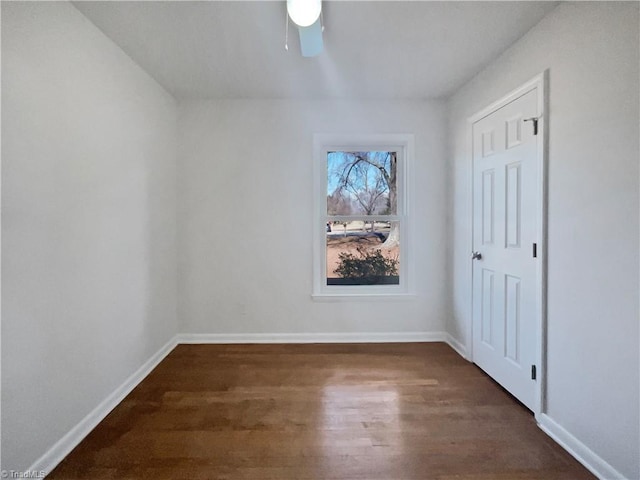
[(304, 12)]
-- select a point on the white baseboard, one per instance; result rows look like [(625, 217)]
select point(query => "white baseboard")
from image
[(377, 337), (587, 457), (457, 346), (66, 444)]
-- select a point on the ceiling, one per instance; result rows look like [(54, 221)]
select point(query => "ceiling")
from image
[(373, 50)]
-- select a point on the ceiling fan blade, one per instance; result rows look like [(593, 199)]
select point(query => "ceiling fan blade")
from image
[(311, 43)]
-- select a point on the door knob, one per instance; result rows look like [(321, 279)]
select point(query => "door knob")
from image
[(476, 255)]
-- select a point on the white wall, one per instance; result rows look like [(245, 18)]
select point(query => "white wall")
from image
[(88, 223), (245, 216), (591, 50)]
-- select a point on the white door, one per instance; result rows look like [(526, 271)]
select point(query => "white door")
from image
[(505, 219)]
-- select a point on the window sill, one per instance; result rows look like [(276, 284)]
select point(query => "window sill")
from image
[(357, 297)]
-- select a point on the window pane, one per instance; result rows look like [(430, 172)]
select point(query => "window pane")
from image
[(359, 253), (362, 183)]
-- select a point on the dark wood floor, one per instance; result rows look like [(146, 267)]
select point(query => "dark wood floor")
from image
[(285, 412)]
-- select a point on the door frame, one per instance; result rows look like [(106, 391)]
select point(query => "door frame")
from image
[(541, 83)]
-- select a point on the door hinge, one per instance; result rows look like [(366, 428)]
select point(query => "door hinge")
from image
[(535, 123), (533, 372), (535, 250)]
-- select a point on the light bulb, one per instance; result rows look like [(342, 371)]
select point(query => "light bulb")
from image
[(304, 12)]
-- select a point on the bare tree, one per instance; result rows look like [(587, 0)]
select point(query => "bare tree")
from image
[(355, 174), (338, 203)]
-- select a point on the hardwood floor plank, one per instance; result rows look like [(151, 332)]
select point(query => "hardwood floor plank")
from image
[(321, 412)]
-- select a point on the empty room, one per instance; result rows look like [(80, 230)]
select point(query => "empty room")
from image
[(337, 240)]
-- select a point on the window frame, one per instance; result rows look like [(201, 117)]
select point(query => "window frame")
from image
[(403, 144)]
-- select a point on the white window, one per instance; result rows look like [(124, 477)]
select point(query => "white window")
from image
[(361, 219)]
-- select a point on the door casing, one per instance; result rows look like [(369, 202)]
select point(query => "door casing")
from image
[(539, 82)]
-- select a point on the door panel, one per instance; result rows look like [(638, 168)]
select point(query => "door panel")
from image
[(512, 319), (487, 307), (504, 224), (512, 219), (488, 204)]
